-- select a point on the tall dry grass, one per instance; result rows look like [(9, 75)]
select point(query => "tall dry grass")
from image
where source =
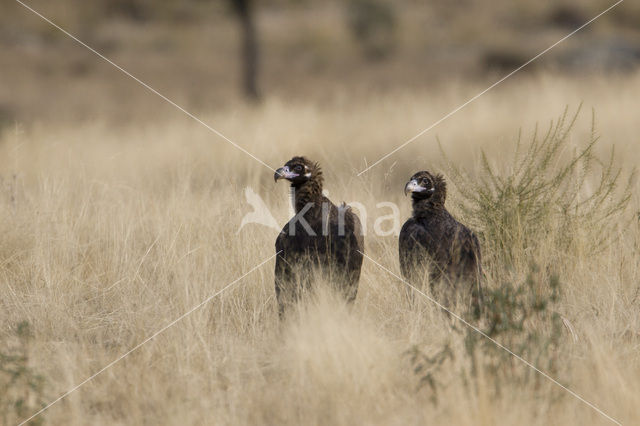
[(108, 234)]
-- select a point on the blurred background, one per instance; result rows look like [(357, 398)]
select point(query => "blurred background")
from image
[(208, 55), (119, 213)]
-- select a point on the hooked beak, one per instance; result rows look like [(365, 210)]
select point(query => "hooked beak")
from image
[(413, 186), (284, 173)]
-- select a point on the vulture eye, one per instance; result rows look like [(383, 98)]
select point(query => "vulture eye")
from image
[(298, 168)]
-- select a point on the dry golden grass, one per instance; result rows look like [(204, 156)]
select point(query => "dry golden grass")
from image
[(110, 233)]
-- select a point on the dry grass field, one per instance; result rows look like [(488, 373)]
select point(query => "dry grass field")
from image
[(109, 233), (119, 214)]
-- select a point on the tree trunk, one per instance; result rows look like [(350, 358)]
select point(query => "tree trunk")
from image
[(244, 8)]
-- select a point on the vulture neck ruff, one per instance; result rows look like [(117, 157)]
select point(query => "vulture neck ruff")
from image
[(307, 192), (425, 207)]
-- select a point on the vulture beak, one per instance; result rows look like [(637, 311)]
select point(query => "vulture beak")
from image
[(284, 173), (413, 186)]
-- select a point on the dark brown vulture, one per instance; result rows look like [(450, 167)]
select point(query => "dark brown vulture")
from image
[(321, 238), (434, 244)]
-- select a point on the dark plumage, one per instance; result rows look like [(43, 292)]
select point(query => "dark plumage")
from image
[(434, 244), (321, 239)]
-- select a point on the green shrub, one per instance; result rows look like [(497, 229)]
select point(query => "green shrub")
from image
[(21, 388), (547, 195), (526, 321), (517, 316)]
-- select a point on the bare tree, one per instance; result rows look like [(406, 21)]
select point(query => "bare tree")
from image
[(244, 10)]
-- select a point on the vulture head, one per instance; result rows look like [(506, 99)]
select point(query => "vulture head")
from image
[(425, 186), (299, 171)]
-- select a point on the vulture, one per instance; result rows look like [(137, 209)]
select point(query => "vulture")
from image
[(434, 244), (322, 240)]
